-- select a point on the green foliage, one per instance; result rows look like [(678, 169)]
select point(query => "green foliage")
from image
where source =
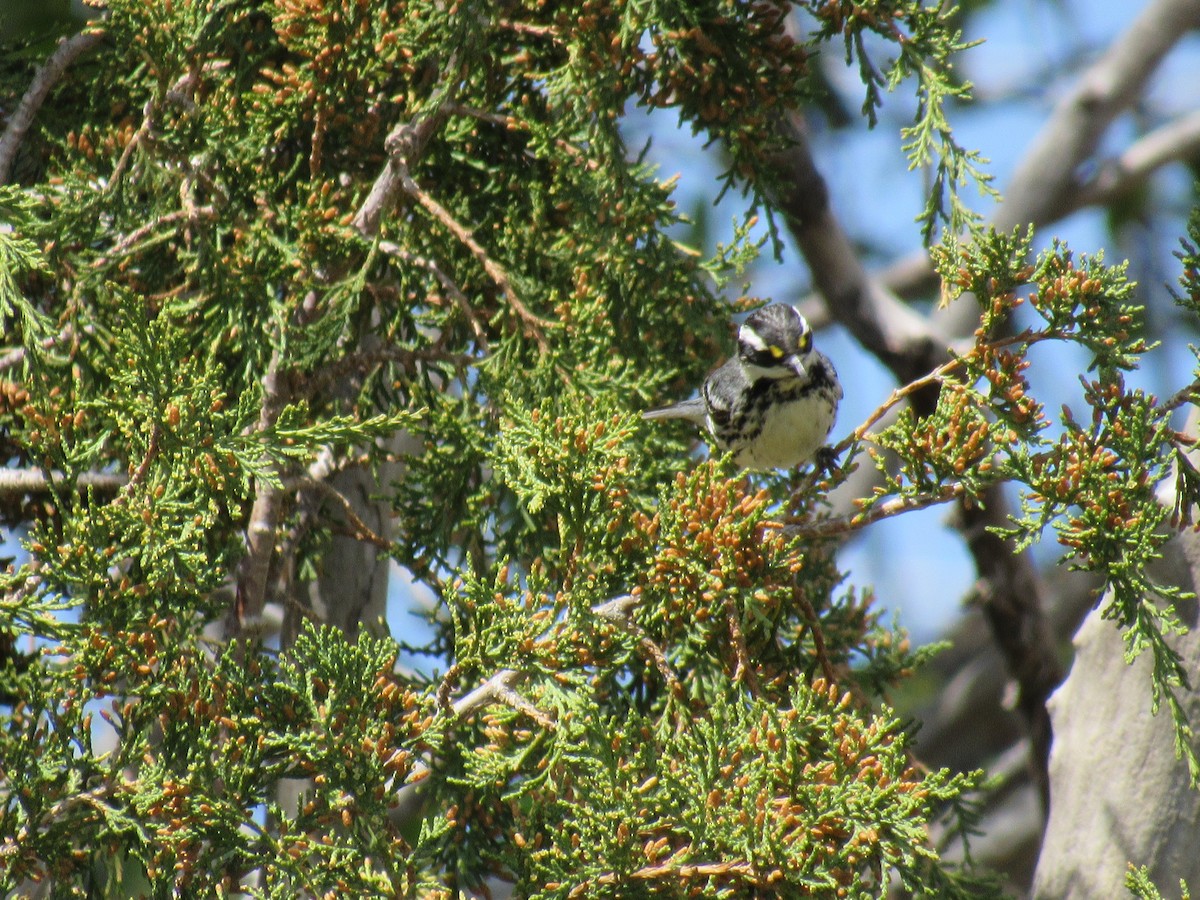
[(1140, 886), (215, 294), (1096, 482), (187, 795), (19, 256), (808, 799)]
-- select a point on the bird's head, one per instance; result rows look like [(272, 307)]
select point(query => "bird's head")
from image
[(775, 342)]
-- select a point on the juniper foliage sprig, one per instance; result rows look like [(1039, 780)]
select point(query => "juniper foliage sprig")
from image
[(1094, 478)]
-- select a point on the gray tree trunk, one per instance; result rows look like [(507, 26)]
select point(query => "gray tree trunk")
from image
[(351, 591), (1118, 795)]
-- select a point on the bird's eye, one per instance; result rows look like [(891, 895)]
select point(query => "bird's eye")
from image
[(805, 342), (776, 352)]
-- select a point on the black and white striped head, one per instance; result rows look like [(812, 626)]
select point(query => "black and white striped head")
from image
[(775, 342)]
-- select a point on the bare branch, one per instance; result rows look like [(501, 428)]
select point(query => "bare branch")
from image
[(619, 611), (485, 694), (38, 481), (512, 698), (67, 51), (824, 528), (1045, 179), (14, 357), (261, 530), (1045, 187), (1010, 594), (1175, 141), (404, 144), (899, 337)]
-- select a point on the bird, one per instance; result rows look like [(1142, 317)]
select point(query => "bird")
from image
[(772, 404)]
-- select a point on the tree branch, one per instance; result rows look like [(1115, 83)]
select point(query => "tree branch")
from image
[(38, 481), (67, 51), (252, 572), (448, 285), (825, 528), (619, 611), (534, 326), (1044, 181), (1175, 141), (1045, 187), (358, 528), (814, 623), (911, 346), (405, 144)]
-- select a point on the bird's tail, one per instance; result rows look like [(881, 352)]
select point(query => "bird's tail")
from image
[(693, 410)]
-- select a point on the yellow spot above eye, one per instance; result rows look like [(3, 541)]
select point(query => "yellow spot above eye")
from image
[(776, 352)]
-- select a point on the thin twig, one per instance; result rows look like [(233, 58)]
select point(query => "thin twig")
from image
[(619, 611), (530, 29), (745, 871), (180, 94), (448, 285), (744, 668), (795, 527), (936, 376), (405, 144), (255, 566), (447, 685), (500, 688), (135, 140), (361, 361), (129, 241), (817, 634), (143, 470), (512, 123), (1186, 394), (93, 798), (534, 326), (510, 697), (359, 529)]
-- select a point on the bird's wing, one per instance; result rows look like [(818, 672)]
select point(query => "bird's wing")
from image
[(721, 392)]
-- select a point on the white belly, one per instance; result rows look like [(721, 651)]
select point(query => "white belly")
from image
[(790, 436)]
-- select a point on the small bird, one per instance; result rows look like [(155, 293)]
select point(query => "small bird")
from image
[(772, 404)]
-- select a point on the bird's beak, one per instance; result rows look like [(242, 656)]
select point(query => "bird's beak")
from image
[(797, 366)]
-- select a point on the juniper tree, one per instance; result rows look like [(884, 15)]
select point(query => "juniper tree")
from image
[(407, 242)]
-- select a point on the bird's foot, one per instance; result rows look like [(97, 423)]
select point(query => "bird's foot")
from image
[(824, 460)]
